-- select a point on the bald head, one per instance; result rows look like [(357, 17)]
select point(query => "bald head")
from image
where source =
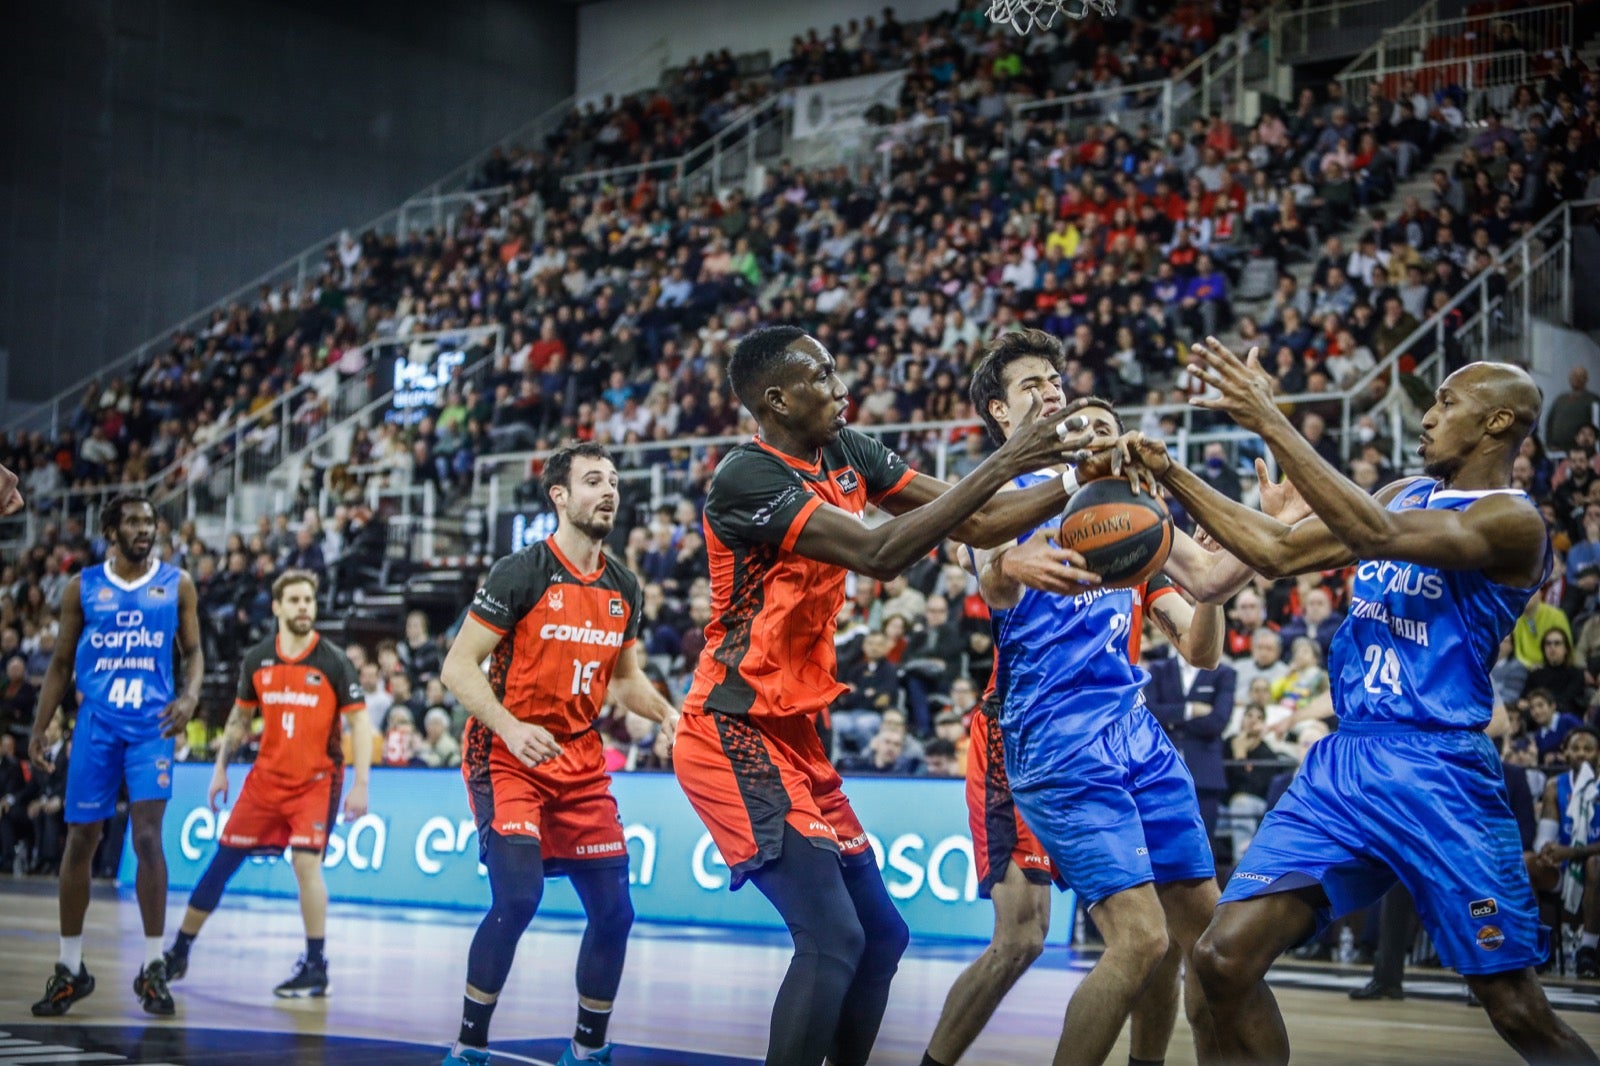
[(1501, 385)]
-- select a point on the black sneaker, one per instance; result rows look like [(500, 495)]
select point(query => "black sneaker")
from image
[(1375, 989), (151, 988), (310, 978), (1588, 962), (63, 990), (177, 964)]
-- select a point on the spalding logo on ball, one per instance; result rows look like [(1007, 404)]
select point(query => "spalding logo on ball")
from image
[(1123, 536)]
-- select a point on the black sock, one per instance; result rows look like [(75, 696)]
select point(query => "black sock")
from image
[(180, 946), (475, 1022), (314, 945), (1145, 1062), (929, 1060), (591, 1030)]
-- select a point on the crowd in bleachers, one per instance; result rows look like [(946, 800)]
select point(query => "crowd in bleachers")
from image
[(619, 320)]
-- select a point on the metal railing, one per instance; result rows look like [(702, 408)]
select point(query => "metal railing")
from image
[(1429, 44), (1213, 82), (1476, 77), (440, 212), (1299, 31), (1476, 325), (737, 138), (232, 478), (434, 207)]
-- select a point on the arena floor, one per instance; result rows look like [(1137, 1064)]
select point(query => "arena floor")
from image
[(689, 996)]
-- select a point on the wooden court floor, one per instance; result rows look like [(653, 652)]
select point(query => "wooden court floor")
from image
[(692, 996)]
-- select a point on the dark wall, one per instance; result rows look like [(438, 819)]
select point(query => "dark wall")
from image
[(156, 154)]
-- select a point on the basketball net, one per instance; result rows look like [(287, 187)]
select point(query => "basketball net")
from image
[(1024, 16)]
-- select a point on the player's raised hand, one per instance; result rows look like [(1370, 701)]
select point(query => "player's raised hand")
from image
[(217, 794), (355, 803), (531, 744), (10, 493), (1245, 389), (1038, 563), (1040, 441), (175, 719), (1136, 449), (1280, 499)]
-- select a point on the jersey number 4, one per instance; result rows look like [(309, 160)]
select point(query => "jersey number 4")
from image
[(126, 692), (1383, 670)]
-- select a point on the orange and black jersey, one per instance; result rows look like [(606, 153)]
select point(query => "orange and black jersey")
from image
[(769, 646), (561, 632), (301, 701)]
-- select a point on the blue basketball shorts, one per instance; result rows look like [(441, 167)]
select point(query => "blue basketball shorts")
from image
[(103, 757), (1119, 812), (1378, 801)]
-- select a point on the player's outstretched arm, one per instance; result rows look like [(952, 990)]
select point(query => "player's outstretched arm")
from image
[(59, 673), (175, 717), (832, 535), (1501, 535), (1216, 576), (1261, 542), (475, 642)]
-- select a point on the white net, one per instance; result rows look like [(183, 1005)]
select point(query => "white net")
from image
[(1024, 16)]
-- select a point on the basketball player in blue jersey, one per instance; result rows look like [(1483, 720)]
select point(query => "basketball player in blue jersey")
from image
[(1409, 786), (1090, 769), (1565, 862), (123, 623)]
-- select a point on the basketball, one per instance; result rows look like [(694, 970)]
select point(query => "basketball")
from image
[(1123, 536)]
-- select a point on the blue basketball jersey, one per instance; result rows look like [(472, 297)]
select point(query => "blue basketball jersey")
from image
[(1563, 802), (1418, 642), (1064, 669), (126, 652)]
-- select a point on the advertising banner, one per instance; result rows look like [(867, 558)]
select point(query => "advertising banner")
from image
[(839, 106), (418, 846)]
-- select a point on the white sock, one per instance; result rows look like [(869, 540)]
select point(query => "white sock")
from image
[(72, 952), (582, 1053), (152, 949), (1590, 940), (458, 1047)]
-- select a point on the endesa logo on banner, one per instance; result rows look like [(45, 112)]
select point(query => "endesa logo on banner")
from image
[(418, 846)]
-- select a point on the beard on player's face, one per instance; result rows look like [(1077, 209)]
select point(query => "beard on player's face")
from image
[(300, 625), (136, 547)]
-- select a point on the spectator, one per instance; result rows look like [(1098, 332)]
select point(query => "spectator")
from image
[(1570, 410), (1547, 726), (438, 748), (1194, 707), (1558, 677), (933, 654), (940, 759), (1537, 620), (1252, 763)]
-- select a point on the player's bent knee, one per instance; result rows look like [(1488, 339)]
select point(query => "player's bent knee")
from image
[(884, 942), (843, 940), (1222, 966)]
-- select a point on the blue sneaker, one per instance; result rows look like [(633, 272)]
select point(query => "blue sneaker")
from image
[(600, 1056), (470, 1056)]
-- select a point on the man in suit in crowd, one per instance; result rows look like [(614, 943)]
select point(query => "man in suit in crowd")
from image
[(1194, 706)]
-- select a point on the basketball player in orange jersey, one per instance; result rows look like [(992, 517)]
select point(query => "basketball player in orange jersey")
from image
[(783, 524), (1144, 863), (558, 622), (303, 686)]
